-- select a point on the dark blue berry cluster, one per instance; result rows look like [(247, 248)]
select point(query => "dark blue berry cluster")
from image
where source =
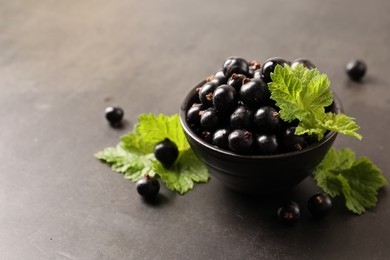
[(233, 110)]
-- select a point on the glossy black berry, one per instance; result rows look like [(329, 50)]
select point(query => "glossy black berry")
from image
[(206, 94), (267, 144), (209, 119), (218, 78), (240, 141), (220, 138), (148, 187), (235, 65), (293, 142), (304, 62), (289, 212), (225, 99), (193, 114), (241, 118), (236, 81), (267, 120), (319, 204), (254, 93), (356, 70), (269, 67), (166, 152), (114, 115)]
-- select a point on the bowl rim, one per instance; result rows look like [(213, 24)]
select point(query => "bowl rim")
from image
[(186, 128)]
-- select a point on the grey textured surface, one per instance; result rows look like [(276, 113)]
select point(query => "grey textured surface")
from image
[(63, 62)]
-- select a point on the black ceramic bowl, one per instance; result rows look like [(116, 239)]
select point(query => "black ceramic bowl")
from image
[(257, 174)]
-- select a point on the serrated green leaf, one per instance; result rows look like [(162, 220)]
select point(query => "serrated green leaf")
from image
[(132, 163), (299, 92), (134, 155), (303, 94), (184, 173), (357, 180)]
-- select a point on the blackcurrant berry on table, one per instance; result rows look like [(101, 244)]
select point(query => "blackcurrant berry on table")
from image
[(291, 141), (240, 141), (304, 62), (319, 204), (206, 94), (148, 187), (220, 138), (289, 212), (356, 69), (166, 152), (235, 65), (254, 93), (267, 120), (241, 118), (225, 99), (267, 144), (269, 67), (114, 115), (193, 114), (209, 119)]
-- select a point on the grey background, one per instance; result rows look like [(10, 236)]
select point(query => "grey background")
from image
[(63, 62)]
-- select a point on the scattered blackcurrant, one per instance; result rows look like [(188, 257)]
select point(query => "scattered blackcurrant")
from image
[(114, 115), (289, 212), (166, 152), (356, 69), (148, 187), (319, 204)]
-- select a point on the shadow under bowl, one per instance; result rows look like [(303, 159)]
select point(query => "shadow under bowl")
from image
[(256, 174)]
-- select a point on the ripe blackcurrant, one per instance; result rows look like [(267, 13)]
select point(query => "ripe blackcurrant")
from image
[(114, 115), (267, 120), (220, 138), (319, 204), (235, 65), (269, 66), (293, 142), (166, 152), (209, 119), (148, 187), (225, 99), (206, 94), (236, 81), (304, 62), (289, 212), (267, 144), (240, 141), (356, 69), (254, 93), (193, 114), (241, 118)]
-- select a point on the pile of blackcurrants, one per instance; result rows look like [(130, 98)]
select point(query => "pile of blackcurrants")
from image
[(233, 110)]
